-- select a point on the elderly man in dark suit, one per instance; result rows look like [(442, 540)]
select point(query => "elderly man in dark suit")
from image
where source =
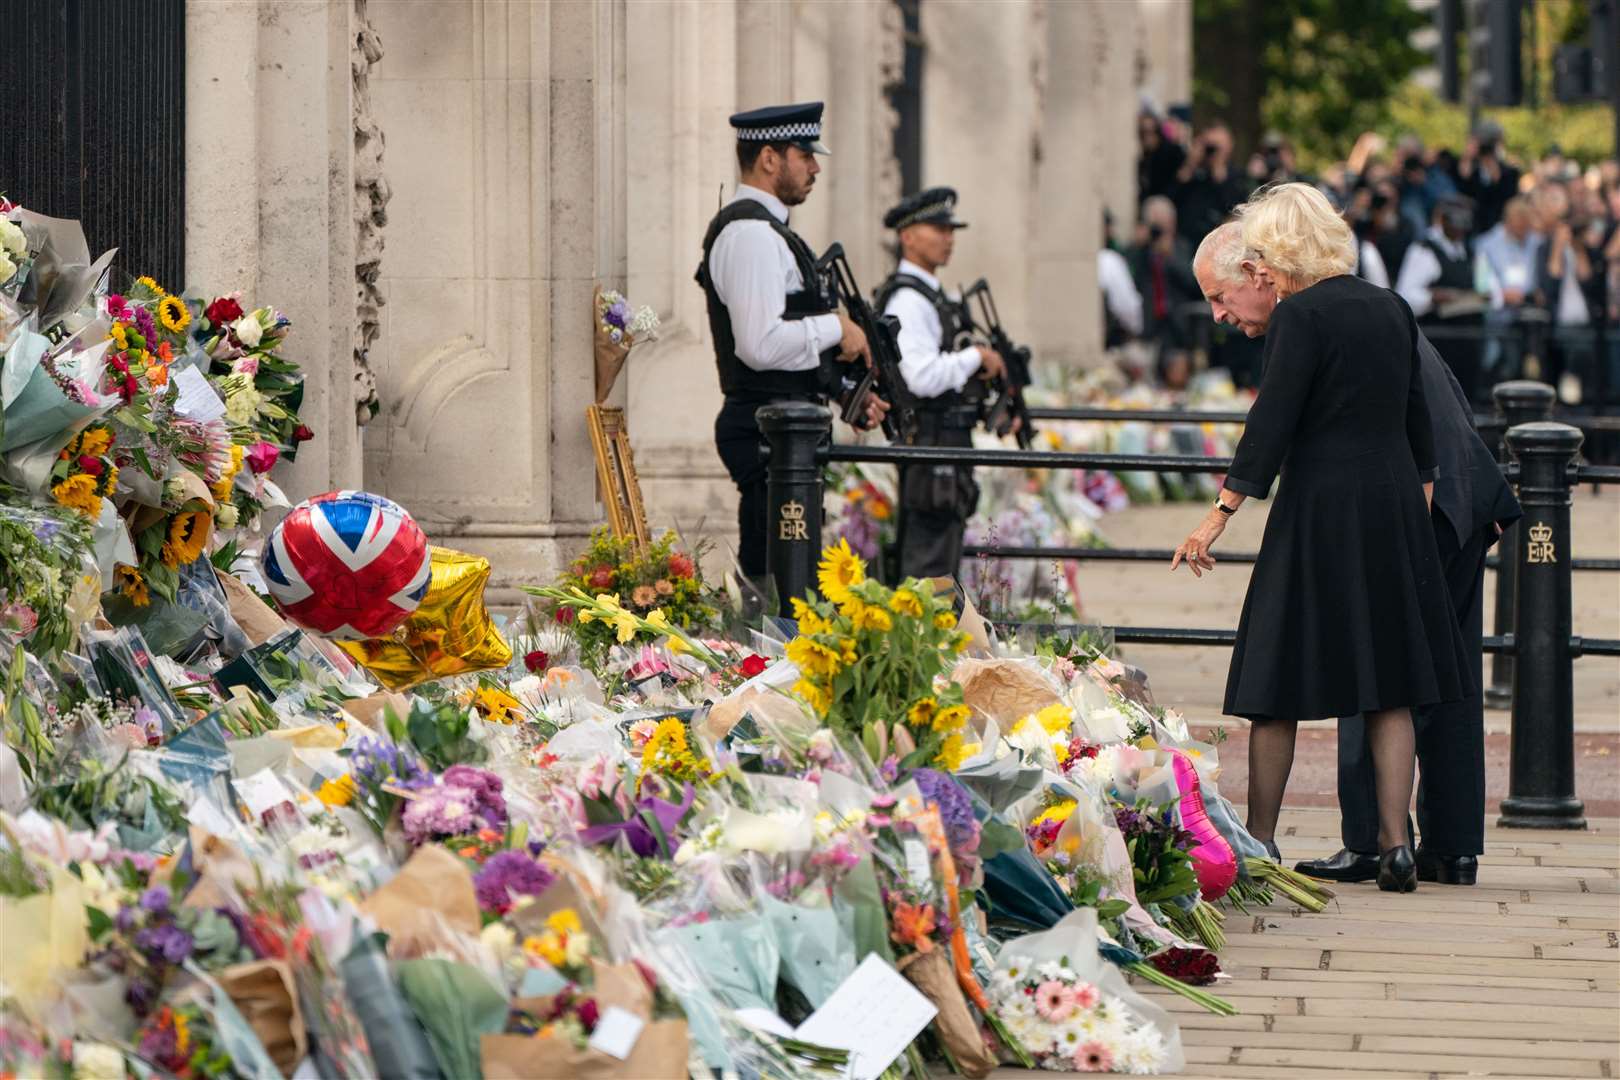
[(1472, 505)]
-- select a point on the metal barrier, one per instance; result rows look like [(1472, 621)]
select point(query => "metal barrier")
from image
[(1541, 791)]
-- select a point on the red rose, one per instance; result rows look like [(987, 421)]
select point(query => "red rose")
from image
[(680, 565), (601, 577), (91, 465), (302, 434), (536, 661), (588, 1014), (754, 665), (565, 615), (222, 311)]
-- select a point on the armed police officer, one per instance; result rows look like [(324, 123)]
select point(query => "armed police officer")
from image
[(938, 361), (774, 322)]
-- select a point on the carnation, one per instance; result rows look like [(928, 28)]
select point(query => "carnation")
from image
[(506, 875)]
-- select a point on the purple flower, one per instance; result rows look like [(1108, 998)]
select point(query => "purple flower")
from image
[(486, 788), (142, 996), (508, 874), (375, 762), (889, 770), (617, 315), (955, 809), (156, 899), (167, 942), (125, 919), (46, 529)]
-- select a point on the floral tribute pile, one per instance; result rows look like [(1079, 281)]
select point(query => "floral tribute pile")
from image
[(660, 842)]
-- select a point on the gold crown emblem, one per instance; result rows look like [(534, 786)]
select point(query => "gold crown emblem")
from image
[(1540, 533), (793, 511)]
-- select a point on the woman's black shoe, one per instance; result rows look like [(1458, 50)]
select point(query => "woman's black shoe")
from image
[(1397, 870), (1273, 851)]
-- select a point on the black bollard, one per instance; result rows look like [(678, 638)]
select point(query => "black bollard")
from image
[(795, 431), (1541, 780), (1517, 402)]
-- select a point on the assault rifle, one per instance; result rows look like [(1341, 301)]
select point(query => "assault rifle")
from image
[(1009, 400), (883, 378)]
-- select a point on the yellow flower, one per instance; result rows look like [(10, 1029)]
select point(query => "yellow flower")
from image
[(626, 624), (921, 713), (146, 282), (952, 718), (566, 920), (658, 620), (609, 601), (548, 947), (1055, 718), (1059, 813), (676, 644), (905, 602), (173, 315), (810, 621), (131, 585), (497, 704), (954, 751), (188, 536), (813, 658), (120, 336), (95, 441), (848, 647), (867, 617), (963, 640), (945, 620), (338, 792), (840, 569), (222, 490), (817, 697), (78, 492)]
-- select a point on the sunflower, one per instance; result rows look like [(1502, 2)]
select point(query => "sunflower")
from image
[(906, 602), (945, 620), (188, 535), (172, 313), (145, 281), (94, 441), (954, 751), (813, 658), (810, 621), (868, 617), (815, 695), (952, 718), (131, 585), (921, 713), (840, 569), (78, 492)]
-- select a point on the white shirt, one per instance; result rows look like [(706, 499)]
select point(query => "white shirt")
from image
[(929, 371), (1119, 291), (1421, 269), (753, 272), (1371, 268)]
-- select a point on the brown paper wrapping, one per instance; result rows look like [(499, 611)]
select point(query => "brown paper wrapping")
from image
[(257, 619), (772, 711), (370, 711), (427, 906), (1005, 690), (263, 992), (931, 973), (610, 354), (222, 872), (659, 1052)]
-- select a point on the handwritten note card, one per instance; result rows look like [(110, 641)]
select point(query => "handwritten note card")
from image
[(197, 400), (874, 1015)]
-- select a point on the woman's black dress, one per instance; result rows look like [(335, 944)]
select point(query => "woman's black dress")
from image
[(1347, 610)]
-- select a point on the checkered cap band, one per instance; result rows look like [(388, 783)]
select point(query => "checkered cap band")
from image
[(924, 213), (780, 133)]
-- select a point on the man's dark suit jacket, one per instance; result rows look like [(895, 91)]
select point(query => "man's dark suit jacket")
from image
[(1471, 492)]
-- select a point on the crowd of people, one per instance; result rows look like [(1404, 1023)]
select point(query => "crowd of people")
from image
[(1512, 266)]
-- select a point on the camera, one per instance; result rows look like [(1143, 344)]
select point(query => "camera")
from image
[(1155, 231)]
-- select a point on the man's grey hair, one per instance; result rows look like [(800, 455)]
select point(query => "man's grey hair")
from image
[(1222, 251)]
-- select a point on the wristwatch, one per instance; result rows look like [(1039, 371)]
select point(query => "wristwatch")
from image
[(1223, 508)]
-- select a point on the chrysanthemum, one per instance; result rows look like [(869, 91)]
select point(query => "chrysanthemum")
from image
[(840, 569), (1052, 1001), (172, 313)]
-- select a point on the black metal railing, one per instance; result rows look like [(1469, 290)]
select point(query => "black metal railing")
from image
[(1538, 635)]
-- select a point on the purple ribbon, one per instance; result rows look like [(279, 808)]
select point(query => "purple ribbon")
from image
[(643, 841)]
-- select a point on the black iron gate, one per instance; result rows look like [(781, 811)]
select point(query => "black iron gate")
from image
[(95, 123)]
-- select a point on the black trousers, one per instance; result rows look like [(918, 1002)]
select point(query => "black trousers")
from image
[(741, 447), (935, 504), (1450, 737), (1463, 356)]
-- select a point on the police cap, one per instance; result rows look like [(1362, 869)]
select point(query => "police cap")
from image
[(797, 124)]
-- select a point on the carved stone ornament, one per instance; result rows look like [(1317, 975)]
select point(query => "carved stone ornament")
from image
[(370, 213)]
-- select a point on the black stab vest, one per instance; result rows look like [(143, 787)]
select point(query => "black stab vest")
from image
[(737, 379), (953, 324), (1454, 273)]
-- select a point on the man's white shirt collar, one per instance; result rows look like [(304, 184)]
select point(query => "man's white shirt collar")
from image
[(1453, 248), (911, 268), (776, 206)]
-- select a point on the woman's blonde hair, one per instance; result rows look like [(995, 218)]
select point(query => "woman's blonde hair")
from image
[(1293, 229)]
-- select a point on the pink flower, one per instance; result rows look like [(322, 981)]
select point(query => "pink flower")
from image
[(1085, 996), (1053, 1002), (1094, 1056), (261, 457), (245, 365)]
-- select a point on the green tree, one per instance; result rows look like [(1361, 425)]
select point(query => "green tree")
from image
[(1320, 71)]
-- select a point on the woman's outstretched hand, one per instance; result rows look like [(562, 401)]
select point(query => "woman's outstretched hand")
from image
[(1195, 549)]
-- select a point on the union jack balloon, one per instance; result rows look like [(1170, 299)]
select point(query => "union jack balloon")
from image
[(347, 564)]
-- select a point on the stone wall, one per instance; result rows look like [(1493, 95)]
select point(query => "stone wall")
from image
[(526, 151)]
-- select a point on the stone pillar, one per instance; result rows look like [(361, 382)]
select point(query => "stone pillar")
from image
[(222, 234), (1167, 50)]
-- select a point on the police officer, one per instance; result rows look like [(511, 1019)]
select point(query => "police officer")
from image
[(938, 361), (772, 319)]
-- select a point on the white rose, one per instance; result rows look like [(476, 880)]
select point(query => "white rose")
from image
[(12, 238), (97, 1061), (248, 330), (226, 516)]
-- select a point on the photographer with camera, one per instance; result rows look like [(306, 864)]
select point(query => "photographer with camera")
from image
[(938, 363), (1207, 187), (1485, 175), (1161, 265)]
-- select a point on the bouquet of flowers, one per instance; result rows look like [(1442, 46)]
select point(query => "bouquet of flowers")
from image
[(861, 512), (618, 329), (1070, 1025), (48, 570)]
